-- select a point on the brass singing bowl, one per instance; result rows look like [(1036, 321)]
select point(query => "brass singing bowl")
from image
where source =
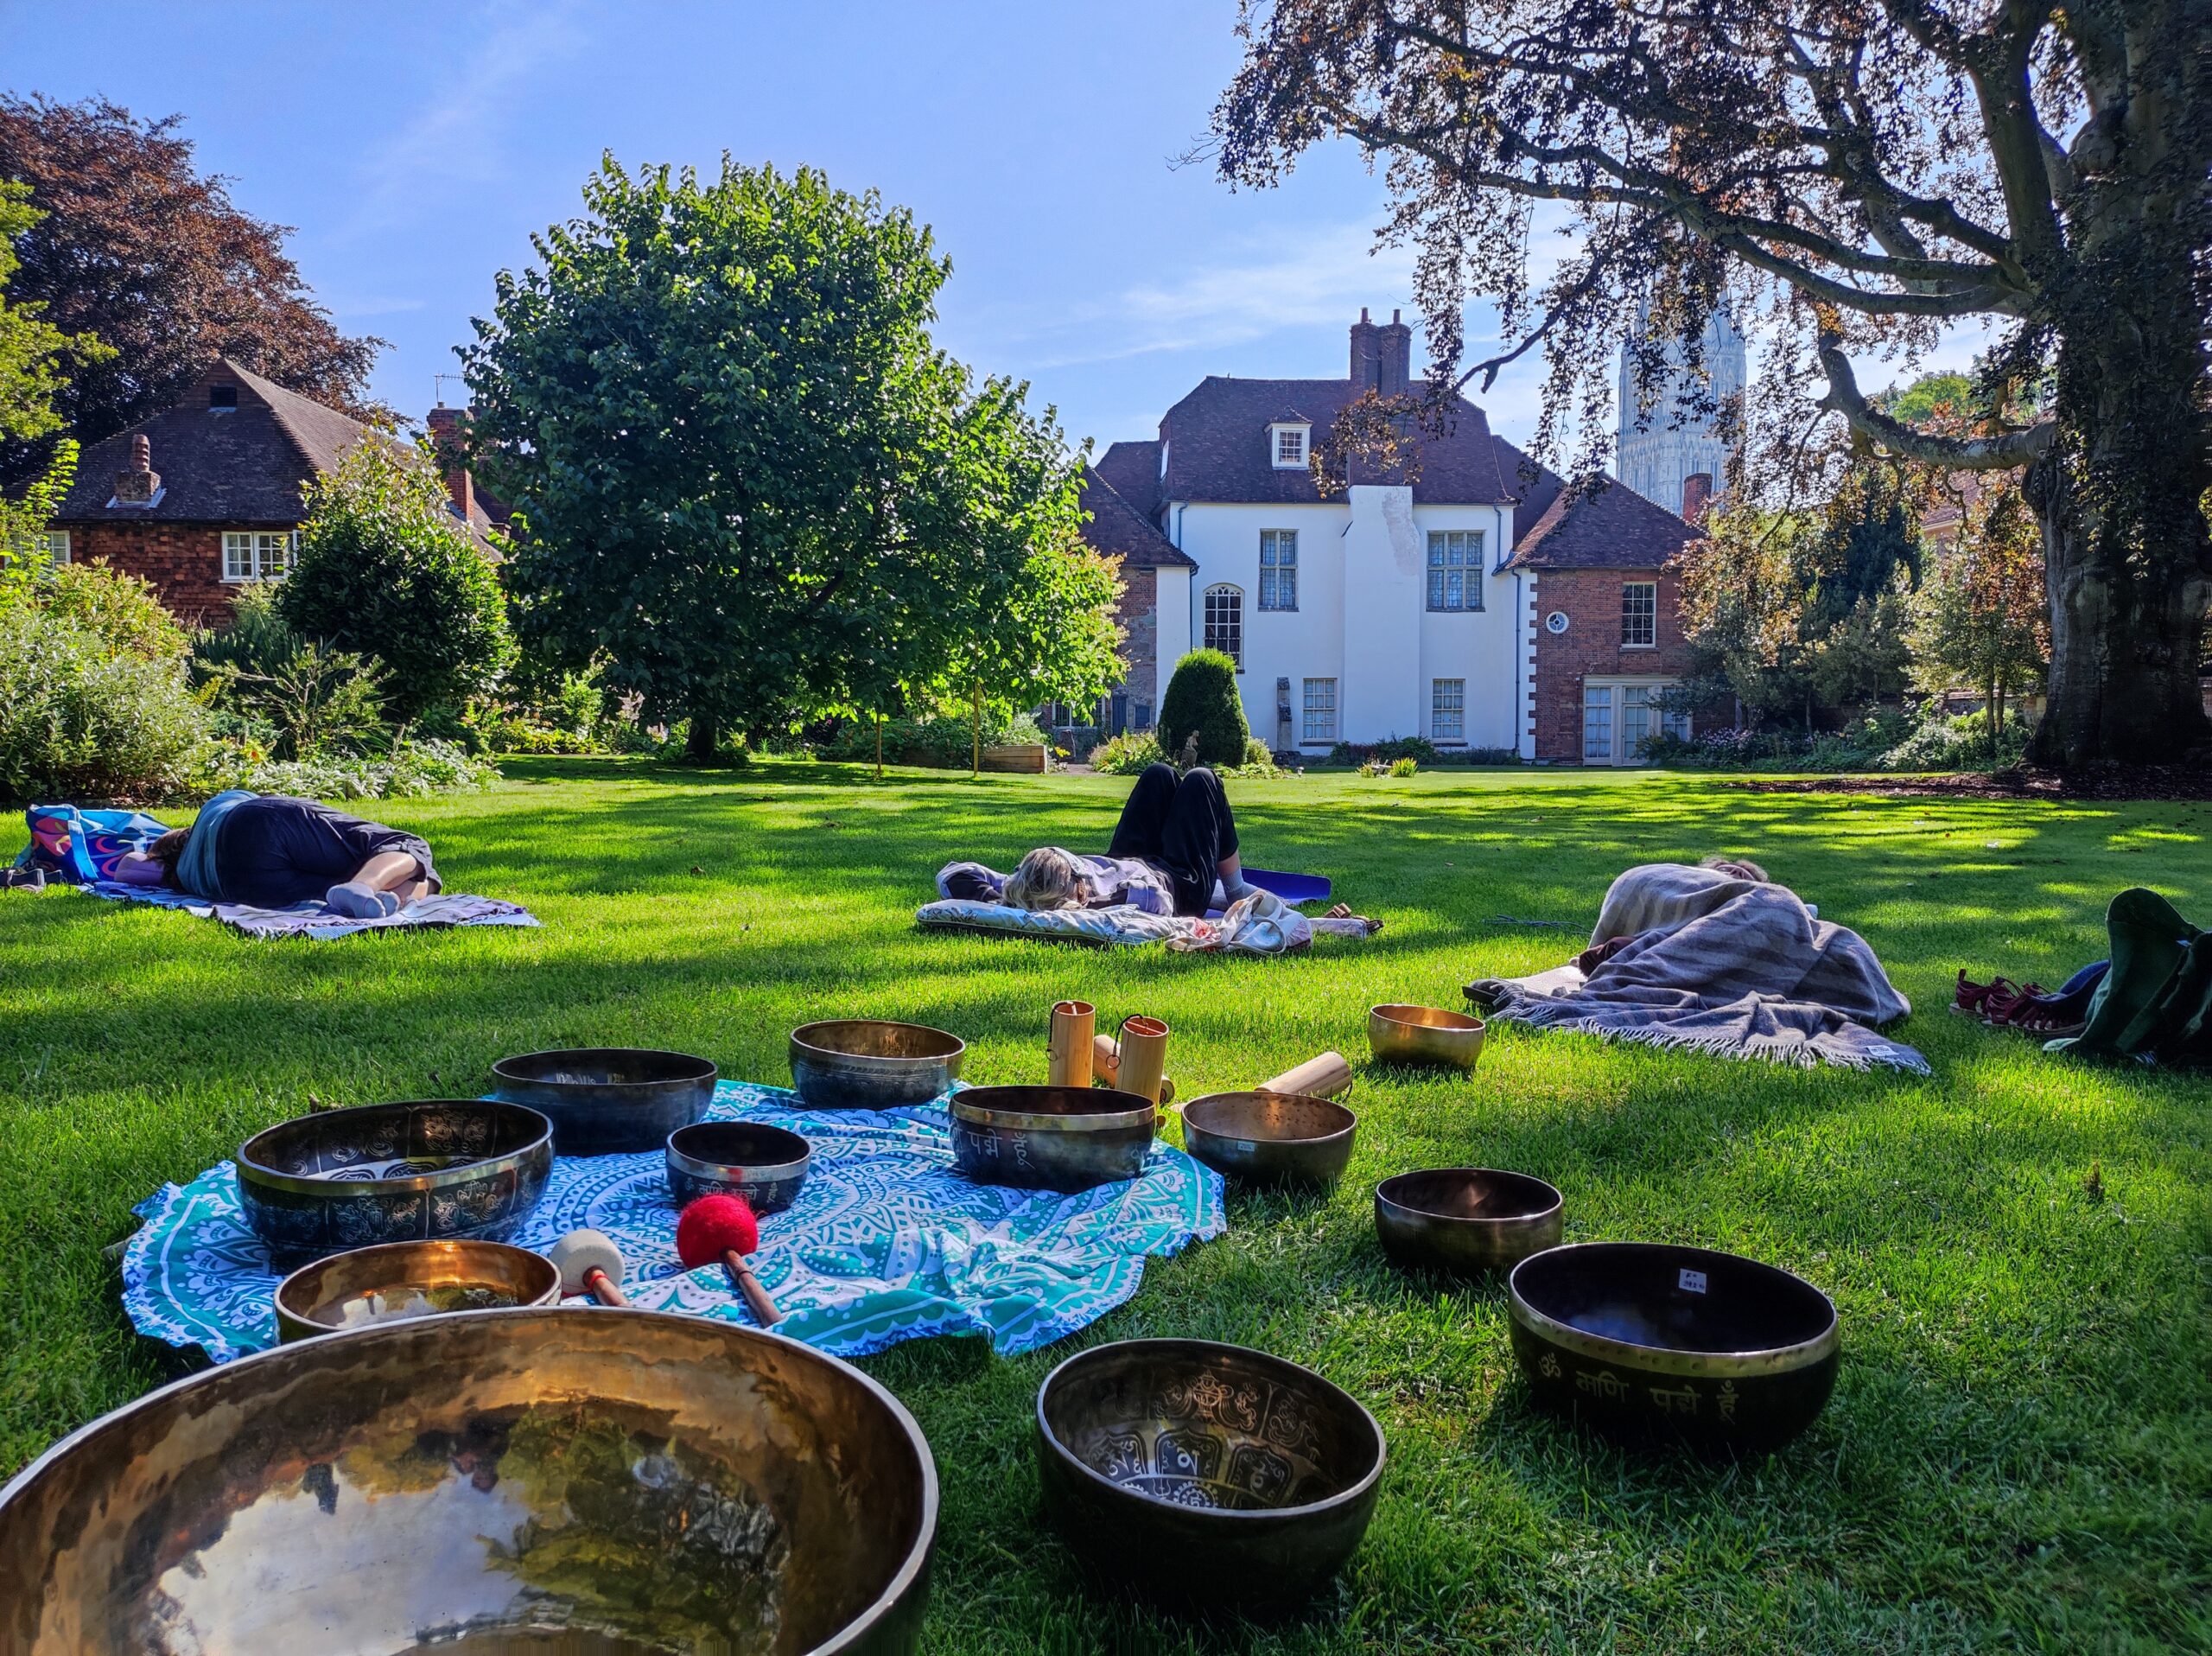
[(1424, 1035), (398, 1280), (1270, 1139), (765, 1165), (563, 1480), (431, 1170), (1050, 1138), (1649, 1341), (870, 1064), (609, 1100), (1465, 1219), (1205, 1472)]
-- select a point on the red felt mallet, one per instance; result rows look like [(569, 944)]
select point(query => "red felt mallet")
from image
[(721, 1230)]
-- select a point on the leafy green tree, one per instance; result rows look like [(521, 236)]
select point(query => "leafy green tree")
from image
[(32, 355), (1202, 700), (1979, 619), (385, 570)]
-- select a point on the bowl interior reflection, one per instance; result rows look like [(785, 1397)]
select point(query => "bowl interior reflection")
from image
[(1470, 1192), (875, 1038), (1682, 1299)]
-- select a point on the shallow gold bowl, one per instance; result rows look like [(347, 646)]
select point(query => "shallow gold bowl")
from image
[(398, 1280), (871, 1063), (1270, 1137), (1424, 1035)]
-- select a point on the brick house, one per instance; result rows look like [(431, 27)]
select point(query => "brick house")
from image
[(204, 497), (1117, 528)]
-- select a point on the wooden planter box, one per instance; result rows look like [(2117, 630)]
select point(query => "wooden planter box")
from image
[(1026, 758)]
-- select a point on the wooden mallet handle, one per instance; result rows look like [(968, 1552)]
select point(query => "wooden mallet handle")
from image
[(756, 1297), (604, 1288)]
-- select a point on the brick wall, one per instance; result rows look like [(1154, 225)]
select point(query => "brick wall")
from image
[(183, 560), (1591, 646), (1139, 614)]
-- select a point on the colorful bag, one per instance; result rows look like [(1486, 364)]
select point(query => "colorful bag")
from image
[(82, 846)]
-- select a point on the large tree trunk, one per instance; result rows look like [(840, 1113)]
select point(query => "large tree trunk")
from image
[(700, 747)]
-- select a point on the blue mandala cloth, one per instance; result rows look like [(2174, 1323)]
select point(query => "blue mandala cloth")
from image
[(886, 1242)]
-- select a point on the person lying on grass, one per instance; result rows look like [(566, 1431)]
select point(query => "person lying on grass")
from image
[(269, 850)]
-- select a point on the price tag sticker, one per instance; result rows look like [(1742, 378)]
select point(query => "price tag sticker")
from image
[(1692, 1281), (1242, 1146)]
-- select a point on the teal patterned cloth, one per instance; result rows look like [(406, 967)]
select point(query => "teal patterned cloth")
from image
[(886, 1242)]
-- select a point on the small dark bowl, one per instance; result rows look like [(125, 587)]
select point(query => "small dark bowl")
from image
[(1206, 1473), (1647, 1340), (1270, 1139), (429, 1170), (765, 1165), (609, 1100), (1465, 1220), (869, 1064), (399, 1280), (1050, 1138)]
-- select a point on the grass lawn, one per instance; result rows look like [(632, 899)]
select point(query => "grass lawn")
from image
[(2019, 1450)]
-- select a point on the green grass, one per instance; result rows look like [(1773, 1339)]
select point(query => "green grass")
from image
[(2017, 1453)]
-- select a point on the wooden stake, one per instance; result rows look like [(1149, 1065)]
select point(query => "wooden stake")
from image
[(756, 1297)]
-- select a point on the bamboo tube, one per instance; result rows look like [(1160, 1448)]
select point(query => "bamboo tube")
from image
[(1075, 1025), (1143, 1057), (1324, 1077)]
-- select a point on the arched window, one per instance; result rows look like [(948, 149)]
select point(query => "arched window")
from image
[(1225, 623)]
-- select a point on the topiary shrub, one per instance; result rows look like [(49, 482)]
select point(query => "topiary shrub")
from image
[(1202, 698)]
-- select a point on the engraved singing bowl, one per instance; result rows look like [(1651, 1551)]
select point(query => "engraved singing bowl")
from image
[(425, 1171), (609, 1100), (1050, 1138), (1649, 1341), (1207, 1473), (398, 1280), (564, 1480), (765, 1165), (1465, 1220), (869, 1064), (1270, 1139), (1424, 1035)]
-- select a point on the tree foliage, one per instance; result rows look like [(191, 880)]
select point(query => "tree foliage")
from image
[(1202, 699), (746, 478), (385, 570), (1850, 176), (151, 256), (1979, 619)]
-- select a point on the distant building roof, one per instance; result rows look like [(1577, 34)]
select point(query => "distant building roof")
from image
[(1602, 524), (1533, 486), (1132, 471), (1114, 526)]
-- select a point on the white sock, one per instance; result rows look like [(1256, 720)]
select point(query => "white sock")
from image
[(354, 900)]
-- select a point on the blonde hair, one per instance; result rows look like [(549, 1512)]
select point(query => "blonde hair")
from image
[(1044, 879), (1740, 866)]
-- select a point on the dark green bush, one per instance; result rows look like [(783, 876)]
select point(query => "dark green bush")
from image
[(1201, 696), (81, 720), (1419, 750)]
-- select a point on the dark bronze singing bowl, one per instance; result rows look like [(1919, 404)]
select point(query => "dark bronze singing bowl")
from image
[(1050, 1138), (1648, 1340), (1270, 1139), (417, 1172), (609, 1100), (397, 1280), (765, 1165), (1465, 1219), (1424, 1035), (1207, 1473), (868, 1064), (566, 1480)]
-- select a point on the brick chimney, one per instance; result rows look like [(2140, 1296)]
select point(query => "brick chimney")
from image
[(1395, 369), (1697, 497), (139, 485), (445, 429), (1366, 355)]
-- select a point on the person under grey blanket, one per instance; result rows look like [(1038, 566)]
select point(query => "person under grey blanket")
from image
[(1719, 960)]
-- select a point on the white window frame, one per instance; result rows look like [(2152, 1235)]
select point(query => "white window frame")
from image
[(1447, 709), (1278, 568), (1319, 723), (1624, 746), (1232, 596), (1292, 435), (1650, 619), (1598, 699), (1444, 546), (247, 555), (57, 545)]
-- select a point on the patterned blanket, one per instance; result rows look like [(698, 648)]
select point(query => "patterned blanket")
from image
[(886, 1242), (312, 920)]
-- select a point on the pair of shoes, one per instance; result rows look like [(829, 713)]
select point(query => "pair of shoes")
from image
[(1967, 997), (22, 879), (357, 901)]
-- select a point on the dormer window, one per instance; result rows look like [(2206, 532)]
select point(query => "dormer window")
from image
[(1287, 442), (222, 400)]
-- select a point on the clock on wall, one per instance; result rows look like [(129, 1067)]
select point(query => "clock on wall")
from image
[(1556, 623)]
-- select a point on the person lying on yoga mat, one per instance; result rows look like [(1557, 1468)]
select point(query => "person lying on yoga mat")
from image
[(1176, 838), (271, 851)]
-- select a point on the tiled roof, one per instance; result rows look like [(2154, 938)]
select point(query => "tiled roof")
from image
[(1533, 485), (1132, 471), (1607, 526), (1119, 528), (1217, 446)]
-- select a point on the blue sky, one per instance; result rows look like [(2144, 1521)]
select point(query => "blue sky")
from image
[(416, 147)]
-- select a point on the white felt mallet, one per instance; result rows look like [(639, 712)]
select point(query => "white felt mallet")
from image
[(589, 1263)]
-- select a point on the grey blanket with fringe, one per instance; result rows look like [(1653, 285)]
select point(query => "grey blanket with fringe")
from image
[(1718, 965)]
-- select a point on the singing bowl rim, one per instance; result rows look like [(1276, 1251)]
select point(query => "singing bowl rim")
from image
[(1675, 1360), (703, 1069), (799, 1039), (1457, 1024), (1350, 1494), (700, 1167), (1136, 1110), (258, 1172), (1308, 1141), (291, 1318), (885, 1605), (1431, 1216)]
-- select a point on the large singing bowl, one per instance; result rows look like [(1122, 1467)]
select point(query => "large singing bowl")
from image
[(609, 1100), (1050, 1138), (1270, 1139), (569, 1480), (871, 1064), (1206, 1474), (1649, 1341), (1465, 1220)]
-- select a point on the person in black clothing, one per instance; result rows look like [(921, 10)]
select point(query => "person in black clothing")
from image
[(272, 852), (1182, 825)]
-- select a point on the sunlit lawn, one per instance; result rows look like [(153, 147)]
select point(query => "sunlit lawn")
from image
[(2019, 1450)]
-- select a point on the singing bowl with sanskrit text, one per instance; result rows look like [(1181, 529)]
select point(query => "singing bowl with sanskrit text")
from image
[(1207, 1473), (609, 1100), (870, 1064), (397, 1280), (1465, 1219), (1050, 1138), (561, 1480), (1648, 1341), (1270, 1139), (1424, 1035), (765, 1165)]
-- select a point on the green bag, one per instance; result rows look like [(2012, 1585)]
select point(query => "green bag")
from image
[(2156, 1003)]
